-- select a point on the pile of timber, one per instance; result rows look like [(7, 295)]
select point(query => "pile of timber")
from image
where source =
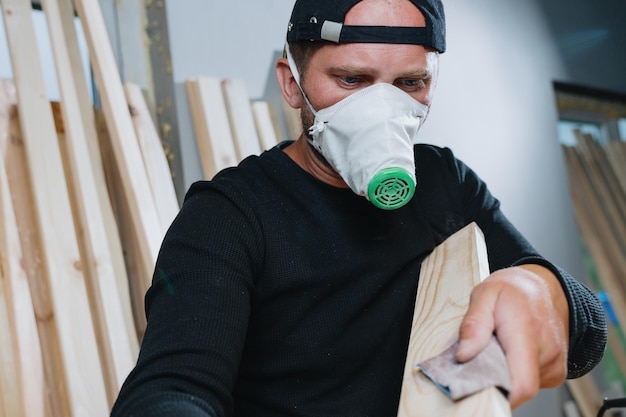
[(228, 127), (86, 197), (597, 182)]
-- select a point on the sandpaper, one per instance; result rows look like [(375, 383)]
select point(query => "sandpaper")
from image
[(458, 380)]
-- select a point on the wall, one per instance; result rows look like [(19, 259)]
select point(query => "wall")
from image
[(494, 104)]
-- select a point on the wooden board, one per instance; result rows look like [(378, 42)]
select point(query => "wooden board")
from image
[(135, 188), (241, 119), (134, 263), (11, 403), (86, 109), (155, 161), (81, 371), (586, 395), (446, 279), (23, 389), (91, 137), (11, 386), (597, 232), (606, 187), (116, 347), (265, 126), (293, 120), (211, 125), (12, 149)]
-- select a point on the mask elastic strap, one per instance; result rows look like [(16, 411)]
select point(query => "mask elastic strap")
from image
[(296, 76)]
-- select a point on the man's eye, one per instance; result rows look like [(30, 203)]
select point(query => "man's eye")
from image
[(350, 80), (412, 84)]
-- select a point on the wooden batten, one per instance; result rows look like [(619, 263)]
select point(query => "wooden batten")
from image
[(144, 222), (292, 119), (606, 186), (22, 389), (12, 146), (239, 110), (81, 372), (267, 130), (11, 403), (597, 231), (157, 167), (446, 280), (11, 386), (211, 125), (586, 395), (95, 162), (116, 347)]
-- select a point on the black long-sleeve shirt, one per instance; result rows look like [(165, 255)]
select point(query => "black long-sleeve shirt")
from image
[(275, 294)]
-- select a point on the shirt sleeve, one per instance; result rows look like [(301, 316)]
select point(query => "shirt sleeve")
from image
[(197, 309)]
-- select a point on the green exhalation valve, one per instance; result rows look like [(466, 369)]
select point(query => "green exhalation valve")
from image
[(391, 188)]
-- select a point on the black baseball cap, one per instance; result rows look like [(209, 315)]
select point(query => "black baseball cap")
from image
[(322, 20)]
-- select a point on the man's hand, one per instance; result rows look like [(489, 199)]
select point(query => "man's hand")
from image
[(527, 310)]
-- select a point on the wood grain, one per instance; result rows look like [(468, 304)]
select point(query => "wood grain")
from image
[(117, 348), (144, 220), (447, 277), (268, 134), (81, 371), (155, 161), (292, 119), (211, 125), (12, 149), (239, 110), (12, 280)]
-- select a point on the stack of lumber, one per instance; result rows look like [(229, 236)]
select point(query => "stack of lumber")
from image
[(597, 182), (84, 206), (228, 126), (86, 197)]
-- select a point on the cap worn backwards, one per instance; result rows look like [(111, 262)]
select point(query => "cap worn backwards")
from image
[(322, 20)]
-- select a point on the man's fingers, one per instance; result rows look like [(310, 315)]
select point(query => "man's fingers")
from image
[(523, 361), (477, 326)]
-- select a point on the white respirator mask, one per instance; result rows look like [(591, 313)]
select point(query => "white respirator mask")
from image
[(368, 139)]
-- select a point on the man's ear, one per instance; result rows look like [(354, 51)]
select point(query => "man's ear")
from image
[(288, 85)]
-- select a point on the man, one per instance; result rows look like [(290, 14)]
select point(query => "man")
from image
[(286, 285)]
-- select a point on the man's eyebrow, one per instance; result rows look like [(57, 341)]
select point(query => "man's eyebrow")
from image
[(351, 69), (420, 73), (354, 69)]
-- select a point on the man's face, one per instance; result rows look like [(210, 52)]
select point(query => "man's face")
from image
[(336, 71)]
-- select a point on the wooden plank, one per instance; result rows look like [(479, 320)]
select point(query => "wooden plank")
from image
[(211, 125), (446, 279), (82, 373), (241, 119), (133, 262), (586, 395), (293, 120), (597, 232), (12, 147), (616, 154), (116, 347), (154, 158), (265, 126), (22, 390), (144, 222), (87, 114), (81, 86), (10, 379), (605, 185)]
